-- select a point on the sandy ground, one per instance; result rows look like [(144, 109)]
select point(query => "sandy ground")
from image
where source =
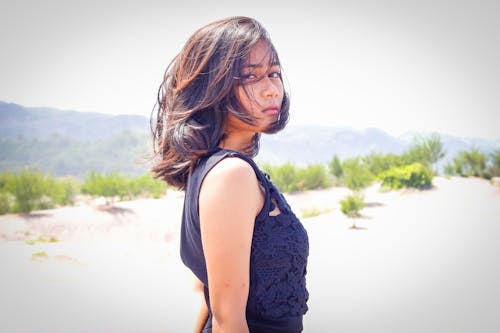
[(423, 261)]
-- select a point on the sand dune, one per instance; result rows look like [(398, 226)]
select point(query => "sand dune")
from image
[(426, 261)]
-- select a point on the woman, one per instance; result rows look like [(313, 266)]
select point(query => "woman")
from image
[(238, 236)]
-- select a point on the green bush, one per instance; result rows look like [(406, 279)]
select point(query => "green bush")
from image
[(6, 202), (415, 175), (6, 198), (30, 190), (283, 176), (312, 177), (352, 205), (39, 255), (146, 185), (115, 185), (314, 211), (335, 167), (109, 186), (289, 178), (62, 191), (427, 151), (28, 187), (356, 175), (378, 163), (468, 163), (494, 168)]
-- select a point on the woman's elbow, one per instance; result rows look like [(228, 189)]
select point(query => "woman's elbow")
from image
[(229, 324), (229, 319)]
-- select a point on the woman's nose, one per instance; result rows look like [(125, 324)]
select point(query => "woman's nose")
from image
[(270, 89)]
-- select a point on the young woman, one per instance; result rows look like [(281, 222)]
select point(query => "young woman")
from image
[(239, 236)]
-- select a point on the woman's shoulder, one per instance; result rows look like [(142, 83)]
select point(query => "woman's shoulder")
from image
[(231, 168), (232, 183)]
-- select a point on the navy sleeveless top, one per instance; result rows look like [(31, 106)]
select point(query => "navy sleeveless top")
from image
[(277, 293)]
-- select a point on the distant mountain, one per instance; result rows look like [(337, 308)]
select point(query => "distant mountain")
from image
[(126, 152), (20, 121), (73, 143), (316, 144)]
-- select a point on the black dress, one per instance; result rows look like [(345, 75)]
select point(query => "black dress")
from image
[(277, 293)]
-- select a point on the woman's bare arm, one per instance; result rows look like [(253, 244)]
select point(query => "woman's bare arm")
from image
[(230, 198), (202, 318)]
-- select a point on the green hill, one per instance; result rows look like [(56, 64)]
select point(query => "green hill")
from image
[(62, 156), (74, 143), (71, 143)]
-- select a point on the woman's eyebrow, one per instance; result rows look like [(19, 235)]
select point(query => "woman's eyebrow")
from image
[(260, 65)]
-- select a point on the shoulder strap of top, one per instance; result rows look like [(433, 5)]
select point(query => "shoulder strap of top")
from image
[(258, 172)]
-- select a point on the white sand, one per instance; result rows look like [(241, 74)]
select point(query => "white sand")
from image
[(427, 261)]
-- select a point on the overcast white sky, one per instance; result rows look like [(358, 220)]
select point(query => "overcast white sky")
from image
[(396, 65)]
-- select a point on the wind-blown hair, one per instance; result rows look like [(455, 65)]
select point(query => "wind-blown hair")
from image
[(197, 93)]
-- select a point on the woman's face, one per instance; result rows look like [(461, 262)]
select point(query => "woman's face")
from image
[(260, 90)]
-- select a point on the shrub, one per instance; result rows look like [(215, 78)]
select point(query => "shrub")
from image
[(283, 176), (356, 175), (29, 190), (415, 175), (335, 167), (62, 191), (427, 151), (311, 177), (109, 186), (147, 185), (28, 187), (351, 207), (313, 211), (289, 178), (468, 163), (6, 202), (495, 158), (494, 168), (114, 185), (378, 163), (39, 255)]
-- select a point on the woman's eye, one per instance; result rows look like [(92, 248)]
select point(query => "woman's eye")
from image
[(248, 78), (275, 75), (253, 77)]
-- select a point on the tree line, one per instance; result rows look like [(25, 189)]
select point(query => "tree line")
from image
[(30, 189), (414, 168)]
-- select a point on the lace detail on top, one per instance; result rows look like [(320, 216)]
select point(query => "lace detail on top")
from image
[(278, 261)]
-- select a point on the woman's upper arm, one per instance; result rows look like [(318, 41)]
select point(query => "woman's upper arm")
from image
[(229, 200)]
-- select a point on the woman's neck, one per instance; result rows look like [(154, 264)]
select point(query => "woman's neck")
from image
[(237, 142)]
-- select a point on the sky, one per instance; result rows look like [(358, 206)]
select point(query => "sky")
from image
[(429, 65)]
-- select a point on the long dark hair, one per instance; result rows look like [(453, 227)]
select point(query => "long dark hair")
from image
[(198, 92)]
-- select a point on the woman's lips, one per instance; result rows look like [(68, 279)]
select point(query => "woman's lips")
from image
[(271, 110)]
